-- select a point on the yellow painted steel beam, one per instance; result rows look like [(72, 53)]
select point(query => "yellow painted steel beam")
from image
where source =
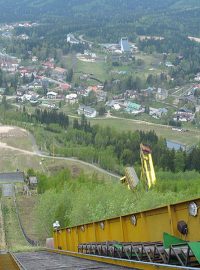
[(147, 166), (7, 262), (121, 262), (153, 176), (149, 227)]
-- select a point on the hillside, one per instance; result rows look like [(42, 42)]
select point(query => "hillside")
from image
[(25, 9), (94, 17), (186, 5)]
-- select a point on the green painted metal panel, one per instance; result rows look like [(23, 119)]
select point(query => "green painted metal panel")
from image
[(195, 247), (169, 240)]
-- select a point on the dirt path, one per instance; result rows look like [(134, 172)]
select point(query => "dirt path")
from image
[(36, 152)]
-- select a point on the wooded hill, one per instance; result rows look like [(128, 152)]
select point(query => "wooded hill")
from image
[(142, 16)]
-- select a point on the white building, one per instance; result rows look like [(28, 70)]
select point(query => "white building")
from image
[(87, 111), (71, 39), (197, 77), (157, 113), (52, 95), (34, 59), (26, 97), (116, 107), (124, 44), (72, 98)]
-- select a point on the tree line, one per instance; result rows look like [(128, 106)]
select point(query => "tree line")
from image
[(183, 53), (46, 117), (114, 150), (111, 149)]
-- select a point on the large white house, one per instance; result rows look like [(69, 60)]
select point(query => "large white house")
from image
[(72, 98), (87, 111)]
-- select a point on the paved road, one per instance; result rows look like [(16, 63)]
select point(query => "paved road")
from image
[(84, 40)]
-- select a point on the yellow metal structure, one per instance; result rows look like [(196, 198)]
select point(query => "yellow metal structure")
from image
[(147, 226), (148, 172), (7, 262)]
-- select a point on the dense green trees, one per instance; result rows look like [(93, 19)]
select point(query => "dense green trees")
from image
[(113, 150), (49, 117), (182, 52), (128, 16), (106, 147)]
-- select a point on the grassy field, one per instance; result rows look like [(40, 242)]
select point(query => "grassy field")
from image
[(151, 63), (101, 72), (52, 166), (97, 69), (189, 138), (12, 159), (14, 236), (26, 206), (19, 141)]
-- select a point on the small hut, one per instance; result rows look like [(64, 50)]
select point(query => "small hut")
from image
[(32, 181)]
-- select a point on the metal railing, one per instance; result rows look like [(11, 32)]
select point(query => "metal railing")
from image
[(152, 252)]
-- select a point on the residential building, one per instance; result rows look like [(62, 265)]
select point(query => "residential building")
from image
[(32, 181), (169, 64), (197, 77), (48, 64), (157, 113), (87, 111), (64, 86), (184, 115), (116, 107), (133, 108), (101, 96), (52, 95), (34, 59), (161, 94), (59, 70), (71, 98)]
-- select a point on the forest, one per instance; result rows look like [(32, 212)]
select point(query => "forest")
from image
[(186, 58), (103, 21), (110, 149), (107, 20)]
